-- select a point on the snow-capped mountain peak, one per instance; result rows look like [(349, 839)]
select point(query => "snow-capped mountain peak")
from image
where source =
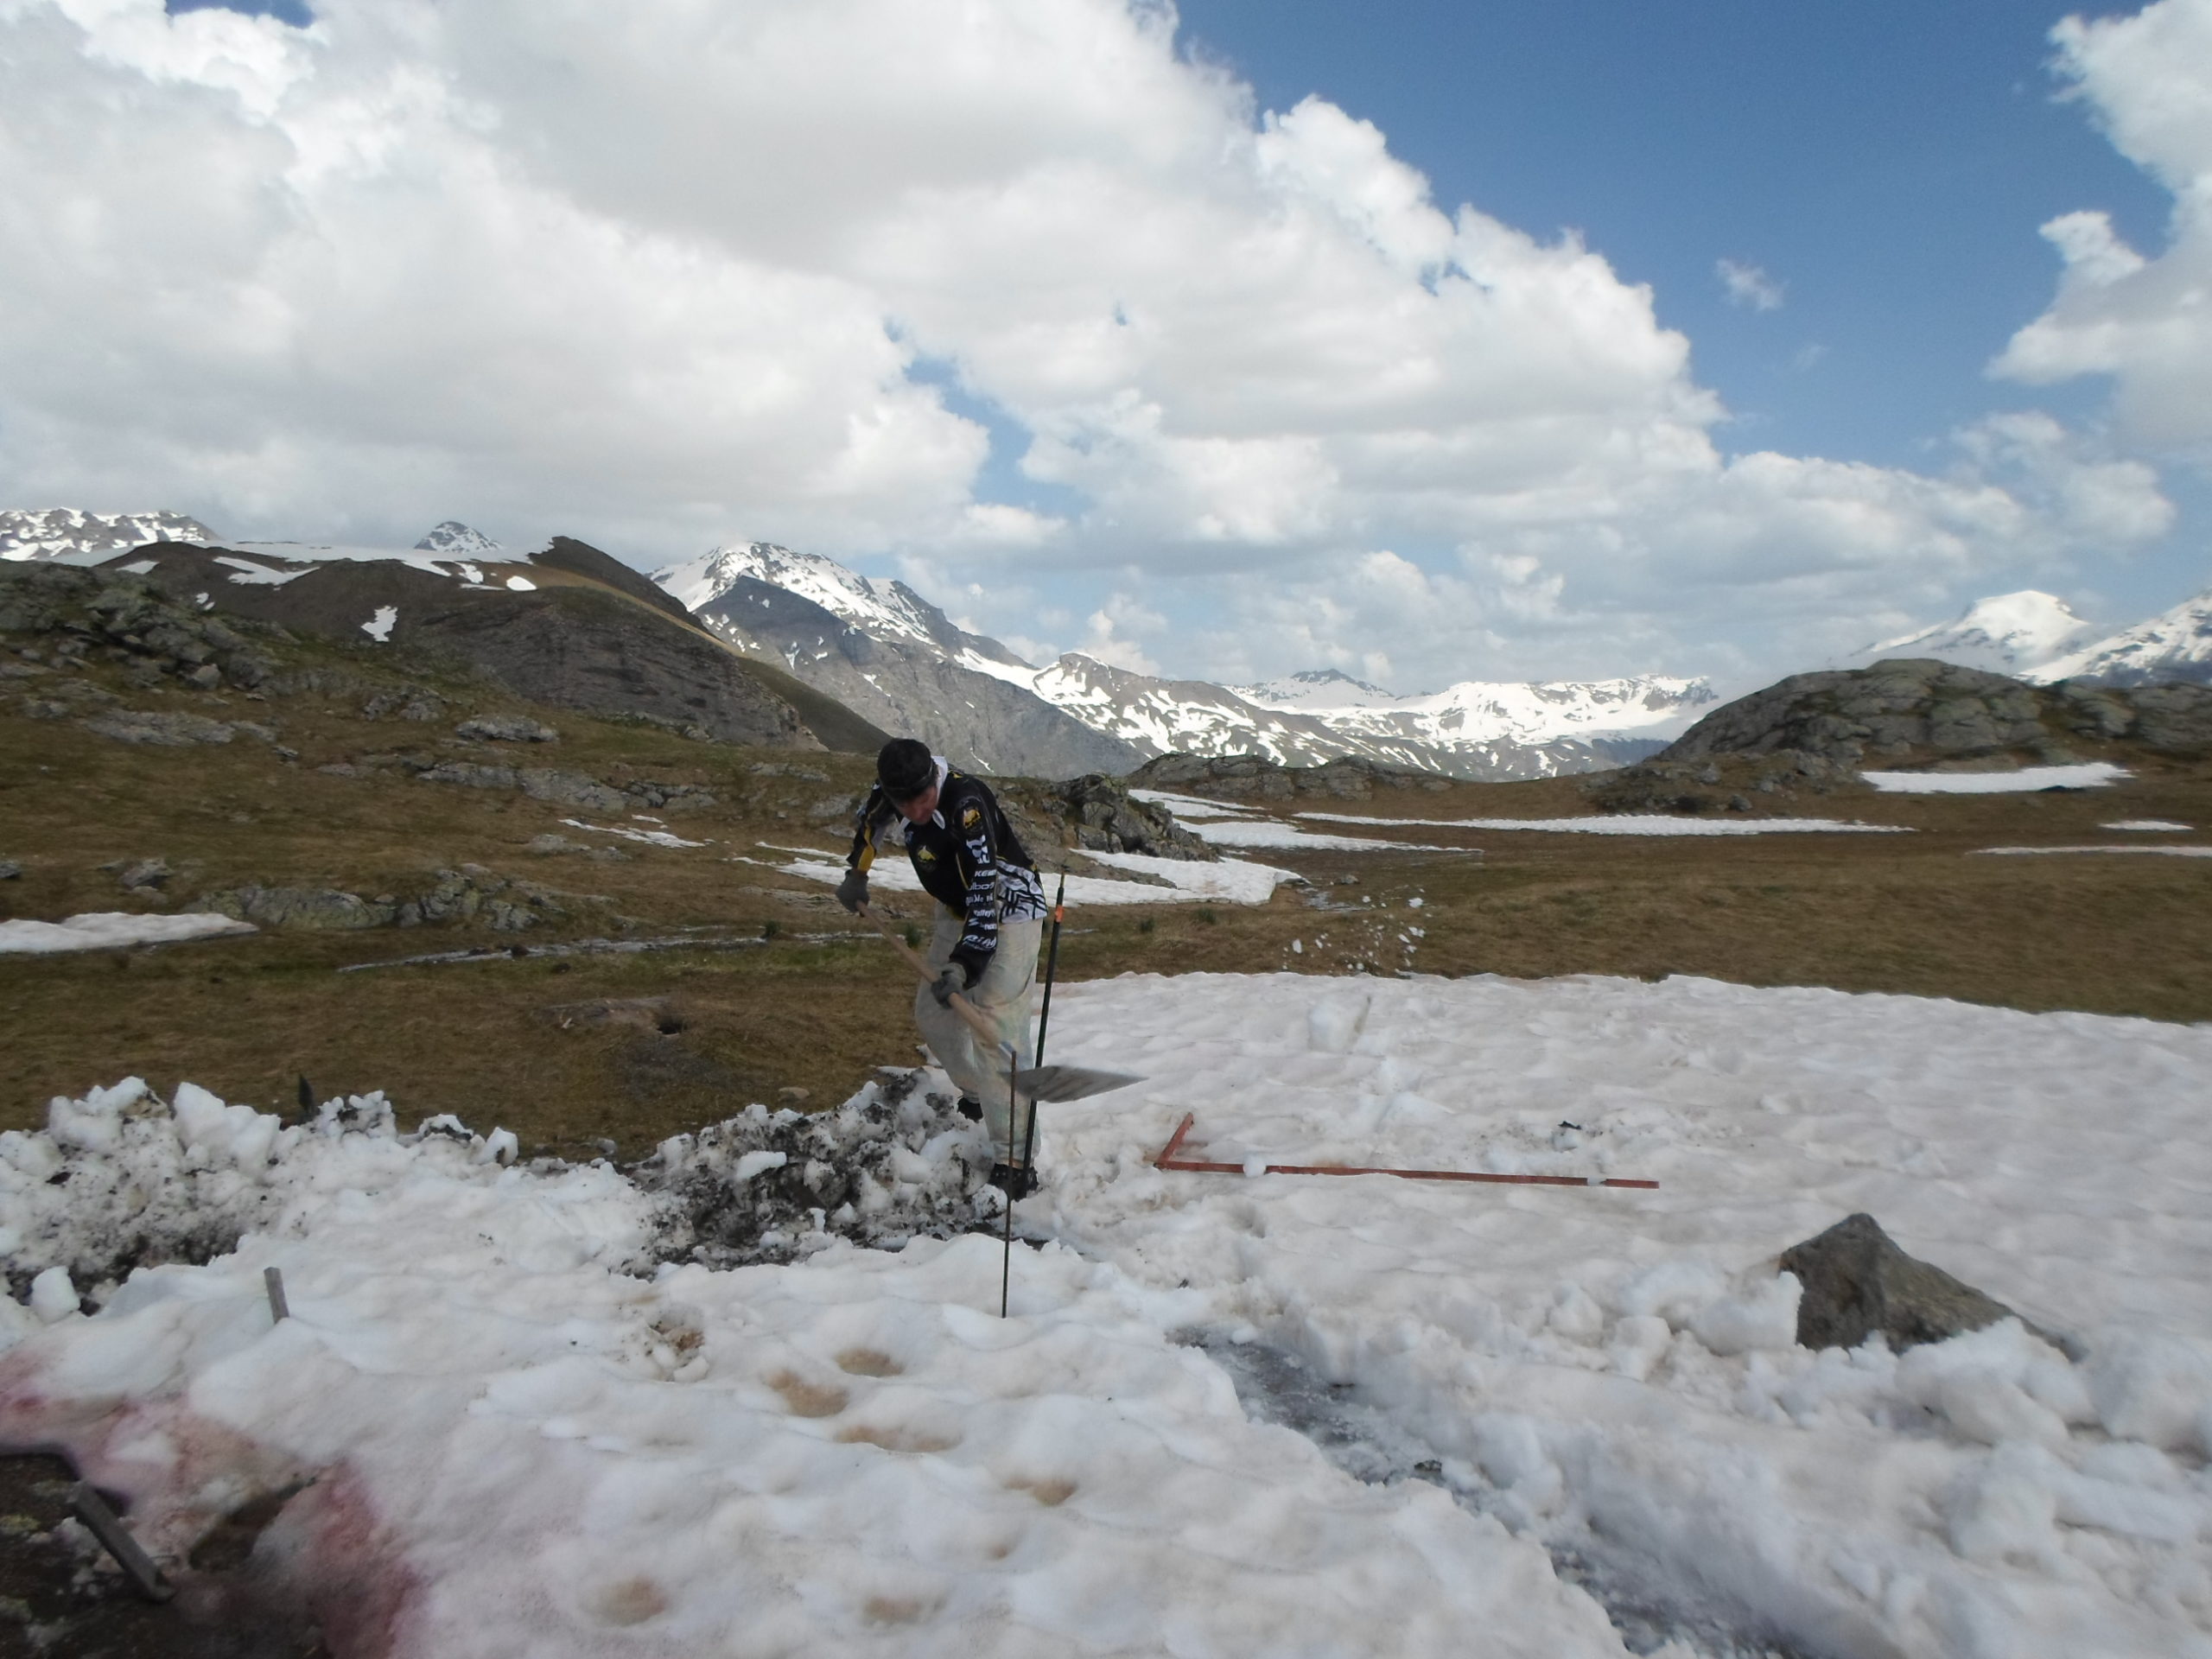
[(1315, 688), (455, 540), (2176, 645), (878, 608), (61, 532), (2006, 634)]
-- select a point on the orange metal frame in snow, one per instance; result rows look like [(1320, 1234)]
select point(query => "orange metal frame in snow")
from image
[(1168, 1160)]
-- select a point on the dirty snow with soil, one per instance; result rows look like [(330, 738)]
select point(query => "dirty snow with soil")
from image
[(2089, 774), (1483, 1418), (110, 930)]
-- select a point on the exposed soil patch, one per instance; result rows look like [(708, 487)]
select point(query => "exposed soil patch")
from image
[(61, 1595)]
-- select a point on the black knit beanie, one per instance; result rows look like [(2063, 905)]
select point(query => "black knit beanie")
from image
[(905, 768)]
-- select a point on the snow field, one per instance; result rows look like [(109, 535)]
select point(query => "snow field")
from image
[(109, 929), (1613, 1373), (2090, 774), (532, 1440), (525, 1446)]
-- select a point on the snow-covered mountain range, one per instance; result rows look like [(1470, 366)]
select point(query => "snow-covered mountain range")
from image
[(54, 532), (888, 653), (2176, 645), (2006, 634)]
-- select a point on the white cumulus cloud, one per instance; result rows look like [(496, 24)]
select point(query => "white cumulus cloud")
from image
[(2145, 322), (666, 275)]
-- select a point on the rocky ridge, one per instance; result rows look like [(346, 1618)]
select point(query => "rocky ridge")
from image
[(597, 637), (1922, 712)]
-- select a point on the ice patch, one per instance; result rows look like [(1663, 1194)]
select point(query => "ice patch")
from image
[(109, 929), (378, 627), (2090, 774), (2149, 826)]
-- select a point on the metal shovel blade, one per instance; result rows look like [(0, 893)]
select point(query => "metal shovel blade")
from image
[(1070, 1082)]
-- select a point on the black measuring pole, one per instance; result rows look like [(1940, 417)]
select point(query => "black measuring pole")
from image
[(1029, 1132), (1045, 1015)]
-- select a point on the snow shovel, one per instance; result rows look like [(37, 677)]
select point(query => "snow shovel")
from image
[(1038, 1082)]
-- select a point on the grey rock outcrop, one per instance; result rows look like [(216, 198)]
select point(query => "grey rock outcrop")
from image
[(1891, 711), (1728, 783), (1103, 817), (1919, 712), (162, 730), (1857, 1282), (552, 786), (305, 908), (468, 895), (506, 728), (1248, 776), (125, 618)]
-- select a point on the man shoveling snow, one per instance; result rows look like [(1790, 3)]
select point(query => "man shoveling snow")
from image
[(983, 947)]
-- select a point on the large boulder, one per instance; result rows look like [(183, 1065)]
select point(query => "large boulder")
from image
[(1917, 712), (1858, 1282)]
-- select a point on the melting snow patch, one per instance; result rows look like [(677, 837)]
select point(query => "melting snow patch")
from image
[(2090, 774), (522, 584), (378, 627), (1632, 823), (1231, 880), (254, 575), (2137, 847), (650, 837), (109, 929), (1191, 806), (1288, 838), (2149, 826)]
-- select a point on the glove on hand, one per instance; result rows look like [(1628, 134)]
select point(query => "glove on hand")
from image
[(852, 891), (953, 979)]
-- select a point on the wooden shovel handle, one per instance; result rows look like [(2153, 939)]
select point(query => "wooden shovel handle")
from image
[(960, 1004)]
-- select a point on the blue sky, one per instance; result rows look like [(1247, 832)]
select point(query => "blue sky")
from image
[(1886, 161), (1237, 477)]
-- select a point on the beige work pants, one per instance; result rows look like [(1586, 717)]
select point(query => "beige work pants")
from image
[(1004, 996)]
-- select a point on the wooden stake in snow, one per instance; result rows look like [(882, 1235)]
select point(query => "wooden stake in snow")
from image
[(273, 1281), (1168, 1160), (106, 1525)]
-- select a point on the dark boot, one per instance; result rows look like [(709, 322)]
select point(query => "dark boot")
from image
[(1017, 1181)]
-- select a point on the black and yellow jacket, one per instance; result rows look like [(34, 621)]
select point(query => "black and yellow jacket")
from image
[(968, 857)]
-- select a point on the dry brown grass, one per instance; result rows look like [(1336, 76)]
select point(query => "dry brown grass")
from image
[(819, 1005)]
